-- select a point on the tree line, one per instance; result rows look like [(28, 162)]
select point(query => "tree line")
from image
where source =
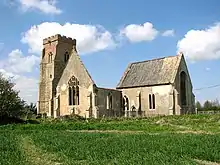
[(208, 105), (11, 105)]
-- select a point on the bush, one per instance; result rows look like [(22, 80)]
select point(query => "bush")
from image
[(11, 104)]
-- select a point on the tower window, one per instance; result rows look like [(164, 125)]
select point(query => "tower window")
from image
[(43, 53), (50, 57), (73, 91), (66, 57)]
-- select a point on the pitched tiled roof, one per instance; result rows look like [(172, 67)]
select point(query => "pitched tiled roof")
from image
[(152, 72)]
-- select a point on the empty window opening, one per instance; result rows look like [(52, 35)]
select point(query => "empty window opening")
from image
[(50, 57), (73, 91), (66, 56), (43, 53), (183, 88), (152, 101), (109, 101), (150, 106), (125, 103), (139, 100)]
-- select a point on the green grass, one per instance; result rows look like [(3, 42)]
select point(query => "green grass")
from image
[(158, 140)]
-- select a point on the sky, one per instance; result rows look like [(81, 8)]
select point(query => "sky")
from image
[(110, 35)]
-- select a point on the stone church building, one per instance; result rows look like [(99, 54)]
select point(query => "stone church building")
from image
[(154, 87)]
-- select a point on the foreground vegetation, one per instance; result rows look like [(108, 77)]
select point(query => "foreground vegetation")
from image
[(190, 139)]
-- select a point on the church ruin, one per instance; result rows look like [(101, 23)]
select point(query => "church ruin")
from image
[(154, 87)]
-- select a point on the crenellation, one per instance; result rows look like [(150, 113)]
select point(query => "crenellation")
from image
[(59, 38)]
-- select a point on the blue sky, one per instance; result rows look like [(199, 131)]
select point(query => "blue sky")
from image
[(111, 34)]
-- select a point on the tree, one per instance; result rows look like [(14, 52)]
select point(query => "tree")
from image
[(198, 105), (215, 105), (30, 110), (207, 105), (11, 104)]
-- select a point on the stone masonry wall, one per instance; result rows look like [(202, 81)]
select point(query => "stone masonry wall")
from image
[(162, 99), (102, 96)]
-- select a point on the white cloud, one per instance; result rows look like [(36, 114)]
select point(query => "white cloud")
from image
[(168, 33), (8, 74), (14, 67), (201, 44), (17, 62), (138, 33), (89, 38), (45, 6), (26, 86)]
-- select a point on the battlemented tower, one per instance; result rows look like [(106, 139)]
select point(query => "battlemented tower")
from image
[(55, 54)]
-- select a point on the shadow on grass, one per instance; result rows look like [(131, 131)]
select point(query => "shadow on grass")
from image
[(4, 120)]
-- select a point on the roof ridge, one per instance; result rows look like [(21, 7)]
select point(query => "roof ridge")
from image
[(160, 58)]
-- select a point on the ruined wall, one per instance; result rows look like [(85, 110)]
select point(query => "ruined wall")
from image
[(190, 100), (163, 99), (102, 102)]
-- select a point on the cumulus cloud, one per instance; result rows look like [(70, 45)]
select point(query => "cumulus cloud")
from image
[(168, 33), (89, 38), (14, 66), (18, 63), (45, 6), (201, 44), (27, 86), (138, 33)]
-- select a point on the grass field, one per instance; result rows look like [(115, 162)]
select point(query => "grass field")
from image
[(193, 139)]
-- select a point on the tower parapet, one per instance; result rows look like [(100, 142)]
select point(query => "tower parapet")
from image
[(60, 39)]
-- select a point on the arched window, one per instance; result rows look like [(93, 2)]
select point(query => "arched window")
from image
[(77, 95), (126, 103), (183, 88), (152, 101), (50, 57), (73, 91), (109, 101), (70, 96), (66, 57), (150, 106), (139, 101)]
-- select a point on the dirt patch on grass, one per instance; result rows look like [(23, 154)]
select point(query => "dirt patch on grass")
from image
[(141, 132), (35, 155), (108, 131), (195, 132), (204, 162)]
